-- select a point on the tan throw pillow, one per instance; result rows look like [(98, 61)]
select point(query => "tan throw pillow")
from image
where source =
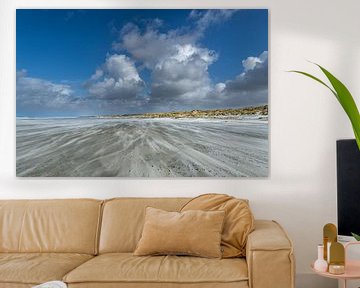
[(196, 233), (239, 220)]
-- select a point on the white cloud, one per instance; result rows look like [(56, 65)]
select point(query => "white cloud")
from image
[(204, 19), (250, 62), (182, 77), (264, 56), (219, 87), (117, 79), (150, 46), (177, 63), (249, 87), (187, 52), (42, 93)]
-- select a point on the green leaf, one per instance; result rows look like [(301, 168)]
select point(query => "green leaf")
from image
[(346, 100), (356, 236), (344, 97), (314, 78)]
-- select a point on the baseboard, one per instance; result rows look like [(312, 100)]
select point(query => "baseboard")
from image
[(309, 280)]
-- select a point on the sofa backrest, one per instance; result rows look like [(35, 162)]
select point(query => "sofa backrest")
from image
[(123, 220), (67, 226)]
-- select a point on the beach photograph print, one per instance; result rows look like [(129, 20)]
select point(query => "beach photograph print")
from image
[(142, 93)]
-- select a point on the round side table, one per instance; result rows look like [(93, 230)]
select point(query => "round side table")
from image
[(352, 269)]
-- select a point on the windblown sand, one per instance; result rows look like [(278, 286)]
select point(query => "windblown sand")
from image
[(142, 147)]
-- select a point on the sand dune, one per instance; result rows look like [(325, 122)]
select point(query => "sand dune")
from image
[(146, 147)]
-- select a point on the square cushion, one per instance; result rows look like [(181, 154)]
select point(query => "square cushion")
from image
[(127, 268), (35, 268), (193, 232)]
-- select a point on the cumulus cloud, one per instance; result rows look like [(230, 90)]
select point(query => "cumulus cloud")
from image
[(148, 47), (32, 93), (117, 79), (182, 77), (219, 87), (177, 63), (254, 78), (251, 86), (251, 62)]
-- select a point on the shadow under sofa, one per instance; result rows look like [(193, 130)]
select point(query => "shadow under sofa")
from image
[(90, 243)]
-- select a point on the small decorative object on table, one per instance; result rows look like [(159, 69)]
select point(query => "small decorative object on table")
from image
[(333, 251), (320, 264), (329, 236), (337, 259), (52, 284)]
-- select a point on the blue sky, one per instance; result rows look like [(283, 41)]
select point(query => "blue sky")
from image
[(90, 62)]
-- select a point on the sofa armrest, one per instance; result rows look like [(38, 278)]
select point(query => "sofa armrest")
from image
[(269, 256)]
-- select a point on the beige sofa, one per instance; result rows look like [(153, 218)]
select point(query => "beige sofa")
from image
[(89, 243)]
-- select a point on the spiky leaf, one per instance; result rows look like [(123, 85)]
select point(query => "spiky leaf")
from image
[(356, 236), (344, 97)]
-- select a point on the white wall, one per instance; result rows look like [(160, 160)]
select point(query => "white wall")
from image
[(305, 119)]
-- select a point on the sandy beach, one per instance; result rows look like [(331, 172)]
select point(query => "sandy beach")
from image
[(89, 147)]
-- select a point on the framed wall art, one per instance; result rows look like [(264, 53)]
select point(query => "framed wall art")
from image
[(142, 93)]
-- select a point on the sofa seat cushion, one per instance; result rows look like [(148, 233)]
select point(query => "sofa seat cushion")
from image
[(36, 268), (125, 267)]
